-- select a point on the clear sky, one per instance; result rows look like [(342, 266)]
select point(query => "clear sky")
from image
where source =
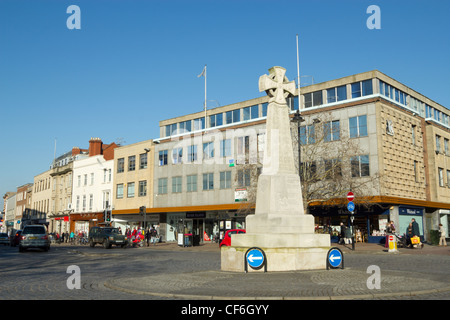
[(135, 62)]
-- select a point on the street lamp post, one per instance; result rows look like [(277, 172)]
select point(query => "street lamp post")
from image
[(298, 119)]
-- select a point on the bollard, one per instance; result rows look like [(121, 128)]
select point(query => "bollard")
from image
[(392, 244)]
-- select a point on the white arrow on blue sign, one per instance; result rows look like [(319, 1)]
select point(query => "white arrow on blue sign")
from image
[(255, 258), (335, 258), (351, 206)]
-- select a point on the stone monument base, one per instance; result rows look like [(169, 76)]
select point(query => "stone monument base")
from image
[(278, 259), (284, 252)]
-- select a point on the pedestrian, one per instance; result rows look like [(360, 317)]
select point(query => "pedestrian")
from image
[(72, 235), (415, 228), (409, 234), (147, 237), (153, 235), (442, 241), (342, 233)]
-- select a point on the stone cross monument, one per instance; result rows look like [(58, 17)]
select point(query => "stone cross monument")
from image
[(279, 226)]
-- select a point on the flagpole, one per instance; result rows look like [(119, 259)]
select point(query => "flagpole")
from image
[(298, 77), (205, 97)]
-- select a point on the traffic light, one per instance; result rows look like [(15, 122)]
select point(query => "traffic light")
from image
[(142, 210), (107, 215)]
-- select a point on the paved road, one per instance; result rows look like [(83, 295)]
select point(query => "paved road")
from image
[(169, 272)]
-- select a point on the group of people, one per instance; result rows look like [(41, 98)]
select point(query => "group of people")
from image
[(139, 235), (66, 237)]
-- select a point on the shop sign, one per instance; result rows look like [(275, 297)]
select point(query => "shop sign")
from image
[(196, 215), (411, 211), (240, 194)]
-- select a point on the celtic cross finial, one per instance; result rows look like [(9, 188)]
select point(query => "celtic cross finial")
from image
[(276, 85)]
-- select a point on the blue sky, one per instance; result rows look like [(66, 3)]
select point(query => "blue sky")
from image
[(135, 62)]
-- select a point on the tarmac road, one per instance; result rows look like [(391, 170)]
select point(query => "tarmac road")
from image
[(169, 272)]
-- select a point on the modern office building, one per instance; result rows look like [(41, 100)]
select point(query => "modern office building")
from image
[(366, 133)]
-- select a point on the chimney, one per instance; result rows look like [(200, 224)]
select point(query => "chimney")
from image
[(95, 147), (75, 151)]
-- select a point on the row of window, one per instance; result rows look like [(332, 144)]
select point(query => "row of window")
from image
[(83, 180), (209, 152), (130, 186), (439, 149), (360, 167), (441, 177), (132, 163), (229, 117), (82, 204), (313, 99), (225, 182), (332, 130)]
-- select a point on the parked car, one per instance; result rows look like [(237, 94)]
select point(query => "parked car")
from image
[(4, 239), (107, 236), (15, 240), (34, 236), (226, 241)]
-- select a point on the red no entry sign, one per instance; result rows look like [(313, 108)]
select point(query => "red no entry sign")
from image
[(350, 196)]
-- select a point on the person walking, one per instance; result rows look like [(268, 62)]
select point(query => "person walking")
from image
[(153, 235), (442, 241)]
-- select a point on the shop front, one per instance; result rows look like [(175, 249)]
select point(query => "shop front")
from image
[(444, 219), (135, 221), (405, 216), (83, 222), (369, 223), (205, 226)]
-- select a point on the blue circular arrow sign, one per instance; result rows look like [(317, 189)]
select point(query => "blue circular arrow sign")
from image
[(335, 257), (351, 206), (255, 258)]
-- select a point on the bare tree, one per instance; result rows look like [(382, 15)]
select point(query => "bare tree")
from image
[(332, 163)]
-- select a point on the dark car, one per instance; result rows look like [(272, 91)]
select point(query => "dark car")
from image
[(4, 239), (15, 239), (34, 236), (107, 236), (227, 238)]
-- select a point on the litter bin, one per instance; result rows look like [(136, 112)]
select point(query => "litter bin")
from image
[(188, 239), (196, 240)]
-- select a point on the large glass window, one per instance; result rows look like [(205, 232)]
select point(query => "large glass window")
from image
[(177, 155), (336, 94), (356, 90), (208, 150), (208, 181), (192, 153), (119, 191), (249, 113), (313, 99), (199, 124), (225, 148), (225, 179), (216, 120), (130, 190), (162, 185), (192, 183), (131, 163), (143, 161), (360, 166), (176, 184), (142, 188), (163, 157), (307, 134), (332, 130), (120, 165), (358, 126), (185, 126)]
